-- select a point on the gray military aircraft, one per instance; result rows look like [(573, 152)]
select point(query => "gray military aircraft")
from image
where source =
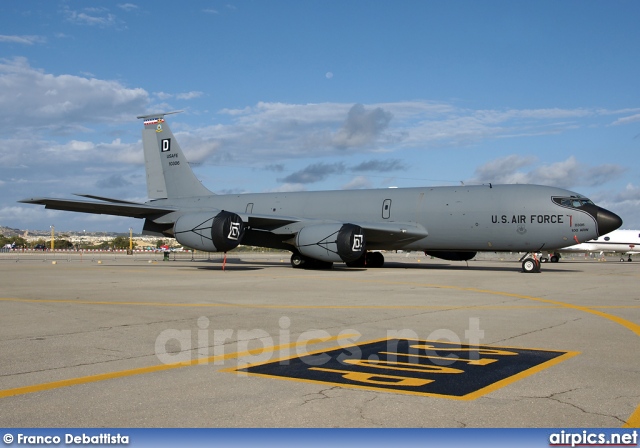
[(323, 227)]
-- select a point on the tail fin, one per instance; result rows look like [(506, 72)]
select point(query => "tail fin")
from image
[(168, 172)]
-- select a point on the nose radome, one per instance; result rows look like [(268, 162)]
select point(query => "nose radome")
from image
[(607, 221)]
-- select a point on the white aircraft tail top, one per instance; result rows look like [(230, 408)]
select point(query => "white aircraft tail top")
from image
[(169, 175)]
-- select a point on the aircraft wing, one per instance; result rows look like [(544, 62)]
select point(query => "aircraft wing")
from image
[(268, 222), (130, 209), (103, 198), (401, 233), (376, 233)]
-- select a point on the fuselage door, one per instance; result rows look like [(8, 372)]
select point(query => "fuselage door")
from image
[(249, 208), (386, 209)]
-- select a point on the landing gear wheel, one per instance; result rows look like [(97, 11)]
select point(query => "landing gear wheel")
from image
[(554, 258), (297, 261), (530, 265), (301, 262)]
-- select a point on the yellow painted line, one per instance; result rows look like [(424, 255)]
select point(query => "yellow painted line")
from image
[(634, 420), (276, 306), (620, 321), (157, 368), (635, 328), (625, 323), (518, 376)]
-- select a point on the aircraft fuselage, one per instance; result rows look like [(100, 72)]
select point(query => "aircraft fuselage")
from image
[(467, 218)]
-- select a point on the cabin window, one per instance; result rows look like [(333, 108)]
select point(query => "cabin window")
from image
[(572, 202)]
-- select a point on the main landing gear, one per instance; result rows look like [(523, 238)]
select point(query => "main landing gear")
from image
[(368, 260), (530, 264), (301, 262)]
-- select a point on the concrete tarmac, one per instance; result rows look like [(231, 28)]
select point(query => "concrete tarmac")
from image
[(110, 340)]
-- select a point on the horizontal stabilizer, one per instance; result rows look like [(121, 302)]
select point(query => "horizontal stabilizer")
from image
[(159, 114)]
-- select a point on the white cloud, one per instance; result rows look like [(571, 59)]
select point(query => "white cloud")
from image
[(269, 132), (55, 140), (567, 173), (626, 203), (27, 214), (296, 130), (287, 188), (30, 98), (128, 6), (356, 183), (163, 96), (100, 17), (189, 95), (23, 39), (626, 120)]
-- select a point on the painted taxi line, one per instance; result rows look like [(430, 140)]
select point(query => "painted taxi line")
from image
[(633, 421), (158, 368)]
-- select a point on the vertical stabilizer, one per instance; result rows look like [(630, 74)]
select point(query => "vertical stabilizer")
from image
[(168, 172)]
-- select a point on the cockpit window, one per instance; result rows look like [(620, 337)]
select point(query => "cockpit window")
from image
[(573, 202)]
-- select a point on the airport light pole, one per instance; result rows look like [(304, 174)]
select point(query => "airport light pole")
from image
[(130, 241), (53, 228)]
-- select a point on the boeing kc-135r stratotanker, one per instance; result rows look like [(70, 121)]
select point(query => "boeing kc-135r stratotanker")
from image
[(323, 227)]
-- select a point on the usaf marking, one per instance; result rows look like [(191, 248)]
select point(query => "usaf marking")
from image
[(418, 367)]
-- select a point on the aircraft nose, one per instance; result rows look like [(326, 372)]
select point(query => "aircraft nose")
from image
[(607, 221)]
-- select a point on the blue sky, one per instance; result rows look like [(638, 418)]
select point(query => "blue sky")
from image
[(318, 95)]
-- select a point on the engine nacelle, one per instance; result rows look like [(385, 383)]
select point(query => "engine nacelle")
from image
[(219, 233), (331, 242), (452, 256)]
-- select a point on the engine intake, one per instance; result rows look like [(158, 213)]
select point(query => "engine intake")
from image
[(219, 233), (331, 242)]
